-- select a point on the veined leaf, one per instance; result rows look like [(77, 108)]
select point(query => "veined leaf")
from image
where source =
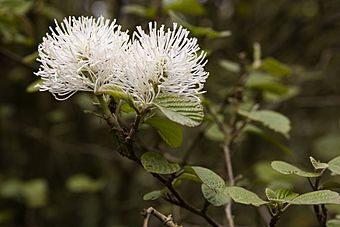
[(209, 178), (152, 195), (317, 197), (286, 168), (280, 195), (155, 163), (216, 198), (213, 186), (184, 110), (276, 68), (271, 195), (334, 165), (170, 131), (241, 195), (317, 164), (270, 119)]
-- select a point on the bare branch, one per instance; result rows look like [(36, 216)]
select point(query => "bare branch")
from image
[(166, 220)]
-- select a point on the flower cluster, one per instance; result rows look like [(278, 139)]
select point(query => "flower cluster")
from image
[(93, 54)]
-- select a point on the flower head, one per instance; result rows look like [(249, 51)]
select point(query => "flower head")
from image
[(163, 61), (80, 54)]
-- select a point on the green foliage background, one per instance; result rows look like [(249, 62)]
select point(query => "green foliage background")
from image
[(57, 164)]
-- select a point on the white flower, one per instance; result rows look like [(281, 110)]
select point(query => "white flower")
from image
[(81, 54), (163, 61)]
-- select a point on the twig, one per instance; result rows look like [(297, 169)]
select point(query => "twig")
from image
[(227, 158), (166, 220), (139, 118), (110, 118), (319, 210), (273, 221)]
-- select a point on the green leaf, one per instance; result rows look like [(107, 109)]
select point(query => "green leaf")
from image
[(317, 197), (330, 184), (82, 183), (230, 66), (291, 91), (334, 165), (170, 131), (190, 177), (262, 81), (199, 31), (152, 195), (209, 178), (213, 186), (184, 110), (112, 91), (286, 168), (285, 195), (270, 119), (192, 7), (241, 195), (271, 195), (216, 198), (140, 10), (334, 222), (208, 32), (10, 188), (126, 108), (35, 192), (317, 164), (34, 87), (280, 195), (276, 68), (155, 163), (31, 58)]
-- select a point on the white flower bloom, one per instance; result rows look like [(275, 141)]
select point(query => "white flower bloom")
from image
[(163, 61), (80, 55)]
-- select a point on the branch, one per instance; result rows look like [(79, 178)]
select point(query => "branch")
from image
[(109, 117), (166, 220), (130, 154), (319, 210)]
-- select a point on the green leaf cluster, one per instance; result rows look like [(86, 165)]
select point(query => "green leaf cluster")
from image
[(83, 183), (33, 192)]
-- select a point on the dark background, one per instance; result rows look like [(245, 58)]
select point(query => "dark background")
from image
[(57, 164)]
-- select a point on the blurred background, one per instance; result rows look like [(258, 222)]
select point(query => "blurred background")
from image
[(57, 163)]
